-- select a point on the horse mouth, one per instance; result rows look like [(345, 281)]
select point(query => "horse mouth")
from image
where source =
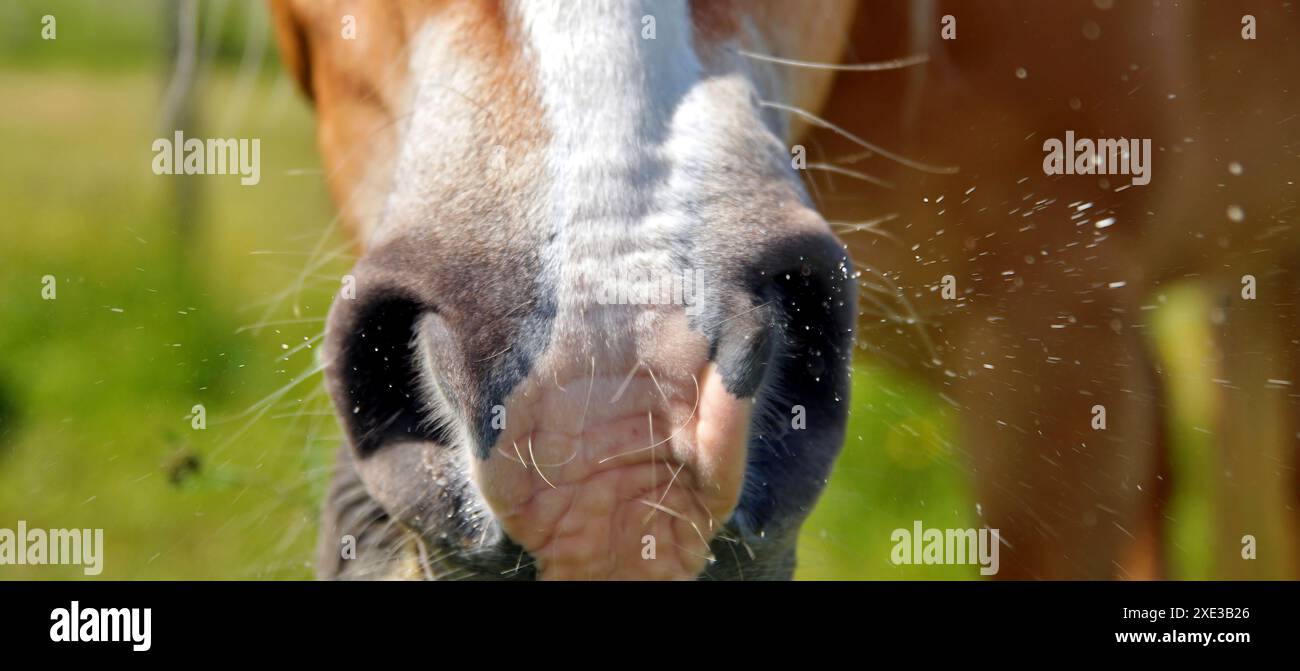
[(633, 486)]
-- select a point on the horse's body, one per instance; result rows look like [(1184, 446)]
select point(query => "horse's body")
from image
[(1058, 276), (500, 163)]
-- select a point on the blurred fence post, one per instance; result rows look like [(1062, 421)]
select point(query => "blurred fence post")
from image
[(180, 23)]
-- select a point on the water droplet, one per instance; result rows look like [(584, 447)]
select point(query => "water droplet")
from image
[(1235, 214)]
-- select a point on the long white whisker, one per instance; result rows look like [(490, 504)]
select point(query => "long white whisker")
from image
[(868, 226), (849, 172), (280, 322), (878, 66), (813, 118), (667, 489), (539, 468)]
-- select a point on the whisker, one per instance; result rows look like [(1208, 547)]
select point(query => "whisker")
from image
[(493, 356), (582, 424), (273, 252), (913, 317), (745, 312), (867, 226), (813, 118), (268, 401), (683, 518), (315, 263), (539, 468), (654, 467), (306, 344), (848, 172), (280, 322), (519, 565), (665, 495), (426, 563), (656, 381), (878, 66)]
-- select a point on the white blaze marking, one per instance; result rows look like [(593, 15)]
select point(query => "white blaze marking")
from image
[(609, 98)]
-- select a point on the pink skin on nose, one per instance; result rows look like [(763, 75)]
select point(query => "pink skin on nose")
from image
[(601, 484)]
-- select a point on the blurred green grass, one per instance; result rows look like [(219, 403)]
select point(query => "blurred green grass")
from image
[(145, 325), (96, 387)]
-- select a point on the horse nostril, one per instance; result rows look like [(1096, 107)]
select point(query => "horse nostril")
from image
[(814, 299), (780, 324), (372, 372), (797, 301)]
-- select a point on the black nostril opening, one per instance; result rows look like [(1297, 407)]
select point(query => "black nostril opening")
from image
[(813, 299), (809, 283), (813, 315), (374, 376), (797, 305)]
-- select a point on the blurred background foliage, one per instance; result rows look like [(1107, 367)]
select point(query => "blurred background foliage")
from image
[(173, 294)]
